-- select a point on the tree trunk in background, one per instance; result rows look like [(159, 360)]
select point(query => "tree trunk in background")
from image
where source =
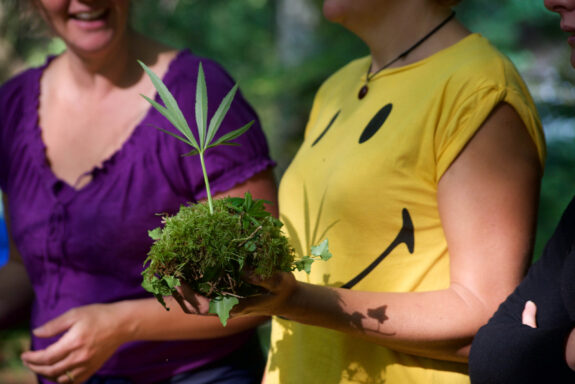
[(6, 47), (297, 21)]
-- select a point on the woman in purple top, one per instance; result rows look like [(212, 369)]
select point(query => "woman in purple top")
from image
[(83, 175)]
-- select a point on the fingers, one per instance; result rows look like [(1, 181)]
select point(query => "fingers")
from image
[(55, 326), (529, 314), (190, 301), (182, 301), (54, 353), (60, 372), (274, 284)]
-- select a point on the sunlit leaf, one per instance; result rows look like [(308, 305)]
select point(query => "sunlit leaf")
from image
[(155, 233), (222, 306), (221, 112), (233, 134), (170, 102), (201, 106), (321, 250)]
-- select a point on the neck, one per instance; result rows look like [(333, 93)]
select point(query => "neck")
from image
[(403, 26), (114, 67)]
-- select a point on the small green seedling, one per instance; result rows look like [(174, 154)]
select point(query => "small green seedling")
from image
[(211, 246)]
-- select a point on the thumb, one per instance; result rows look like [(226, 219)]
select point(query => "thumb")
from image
[(529, 314)]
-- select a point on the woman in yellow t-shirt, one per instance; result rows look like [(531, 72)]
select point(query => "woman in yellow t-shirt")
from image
[(421, 164)]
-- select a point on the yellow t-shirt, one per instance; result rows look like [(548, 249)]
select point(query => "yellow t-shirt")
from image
[(366, 178)]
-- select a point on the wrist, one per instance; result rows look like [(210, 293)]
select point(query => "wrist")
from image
[(128, 326), (293, 301)]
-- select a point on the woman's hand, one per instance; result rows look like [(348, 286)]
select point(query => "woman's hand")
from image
[(91, 334), (280, 287), (191, 302), (529, 318)]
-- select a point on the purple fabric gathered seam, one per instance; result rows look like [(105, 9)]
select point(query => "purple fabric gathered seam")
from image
[(87, 245)]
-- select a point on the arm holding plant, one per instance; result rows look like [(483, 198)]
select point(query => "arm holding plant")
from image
[(94, 332), (495, 181)]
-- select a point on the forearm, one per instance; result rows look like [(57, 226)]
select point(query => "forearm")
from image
[(146, 319), (437, 324)]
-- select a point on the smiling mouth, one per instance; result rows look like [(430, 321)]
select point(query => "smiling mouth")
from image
[(90, 15)]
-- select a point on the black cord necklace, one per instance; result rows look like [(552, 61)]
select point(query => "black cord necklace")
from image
[(363, 90)]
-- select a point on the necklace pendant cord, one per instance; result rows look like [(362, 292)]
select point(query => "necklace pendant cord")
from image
[(364, 89)]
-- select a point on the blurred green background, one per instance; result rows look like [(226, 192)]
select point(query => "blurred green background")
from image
[(280, 51)]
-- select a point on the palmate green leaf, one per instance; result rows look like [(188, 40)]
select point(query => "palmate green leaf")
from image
[(221, 112), (184, 139), (221, 306), (171, 110), (191, 140), (166, 113), (201, 106), (224, 139)]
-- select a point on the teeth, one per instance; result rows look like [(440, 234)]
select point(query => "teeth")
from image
[(89, 15)]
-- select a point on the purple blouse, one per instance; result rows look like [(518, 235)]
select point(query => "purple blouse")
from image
[(88, 246)]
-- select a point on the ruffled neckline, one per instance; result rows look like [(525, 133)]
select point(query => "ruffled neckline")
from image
[(60, 188)]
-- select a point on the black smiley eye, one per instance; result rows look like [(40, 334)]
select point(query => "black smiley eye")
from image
[(376, 123), (326, 128)]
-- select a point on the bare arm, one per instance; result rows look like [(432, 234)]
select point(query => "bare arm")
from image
[(94, 332), (15, 289), (487, 202), (261, 186)]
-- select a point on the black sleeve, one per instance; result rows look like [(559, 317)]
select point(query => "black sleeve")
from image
[(505, 350)]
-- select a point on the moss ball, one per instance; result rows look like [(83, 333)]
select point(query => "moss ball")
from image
[(211, 251)]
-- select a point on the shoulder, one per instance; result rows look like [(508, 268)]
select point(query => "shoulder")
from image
[(18, 97), (13, 90), (474, 58)]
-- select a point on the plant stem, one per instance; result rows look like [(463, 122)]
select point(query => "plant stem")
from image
[(210, 204)]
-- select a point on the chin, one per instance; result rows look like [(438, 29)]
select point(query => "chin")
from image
[(333, 10), (93, 45)]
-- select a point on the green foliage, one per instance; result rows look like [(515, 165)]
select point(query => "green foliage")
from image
[(206, 134), (318, 252), (222, 306), (211, 252), (210, 249)]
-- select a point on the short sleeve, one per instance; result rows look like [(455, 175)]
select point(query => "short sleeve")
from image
[(473, 100)]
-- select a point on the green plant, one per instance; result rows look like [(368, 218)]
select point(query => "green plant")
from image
[(210, 246)]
